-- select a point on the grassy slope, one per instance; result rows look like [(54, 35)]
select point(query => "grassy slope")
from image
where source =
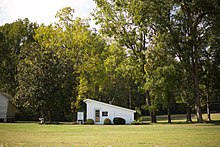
[(32, 134)]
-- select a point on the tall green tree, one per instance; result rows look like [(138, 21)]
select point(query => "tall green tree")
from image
[(83, 46), (117, 86), (13, 37), (210, 63), (162, 75), (122, 21), (189, 24), (46, 81)]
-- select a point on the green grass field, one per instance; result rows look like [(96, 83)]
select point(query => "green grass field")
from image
[(33, 134)]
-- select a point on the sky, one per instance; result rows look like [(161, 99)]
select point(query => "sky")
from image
[(41, 11)]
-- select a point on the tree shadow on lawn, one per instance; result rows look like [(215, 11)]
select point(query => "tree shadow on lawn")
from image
[(177, 123), (215, 122)]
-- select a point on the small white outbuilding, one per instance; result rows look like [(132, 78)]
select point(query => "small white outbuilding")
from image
[(7, 109), (99, 111)]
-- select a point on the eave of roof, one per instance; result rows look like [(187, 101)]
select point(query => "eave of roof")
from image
[(114, 106), (6, 95)]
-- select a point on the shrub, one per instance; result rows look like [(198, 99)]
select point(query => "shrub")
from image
[(107, 121), (119, 121), (89, 122)]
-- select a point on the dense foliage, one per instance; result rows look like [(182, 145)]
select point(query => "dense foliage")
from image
[(107, 121), (170, 32), (89, 122), (160, 56), (119, 121)]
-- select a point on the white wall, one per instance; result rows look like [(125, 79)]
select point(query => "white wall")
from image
[(112, 112), (3, 107)]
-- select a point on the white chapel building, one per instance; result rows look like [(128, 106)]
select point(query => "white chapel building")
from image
[(99, 111)]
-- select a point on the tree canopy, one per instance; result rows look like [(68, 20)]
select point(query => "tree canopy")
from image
[(147, 55)]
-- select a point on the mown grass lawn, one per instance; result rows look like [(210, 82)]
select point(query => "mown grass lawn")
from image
[(33, 134)]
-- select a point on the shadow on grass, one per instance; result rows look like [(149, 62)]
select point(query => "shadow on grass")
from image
[(216, 122), (181, 119), (28, 122), (180, 122)]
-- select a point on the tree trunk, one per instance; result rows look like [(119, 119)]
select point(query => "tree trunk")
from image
[(43, 118), (188, 113), (42, 114), (198, 112), (208, 109), (196, 85), (168, 113), (49, 117), (153, 117), (197, 97), (74, 113), (129, 100)]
